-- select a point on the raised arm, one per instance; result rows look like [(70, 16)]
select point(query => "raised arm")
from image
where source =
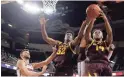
[(47, 61), (23, 68), (88, 31), (44, 33), (111, 49), (109, 37), (81, 33)]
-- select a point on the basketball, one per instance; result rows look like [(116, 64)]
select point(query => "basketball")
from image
[(93, 11)]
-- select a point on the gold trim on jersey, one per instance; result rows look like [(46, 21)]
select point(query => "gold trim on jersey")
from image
[(90, 44), (97, 47), (62, 48), (72, 49)]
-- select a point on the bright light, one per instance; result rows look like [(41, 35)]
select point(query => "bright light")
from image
[(113, 74), (20, 1), (31, 8), (77, 75), (46, 74), (48, 10), (15, 68), (7, 65), (10, 25)]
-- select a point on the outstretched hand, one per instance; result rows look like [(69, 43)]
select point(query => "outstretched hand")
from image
[(43, 21)]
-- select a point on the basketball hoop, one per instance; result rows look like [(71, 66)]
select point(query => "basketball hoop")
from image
[(49, 6)]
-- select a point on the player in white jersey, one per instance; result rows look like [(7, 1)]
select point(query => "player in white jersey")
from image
[(24, 68)]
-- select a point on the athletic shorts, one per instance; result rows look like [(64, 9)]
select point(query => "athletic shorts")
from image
[(63, 71), (99, 69)]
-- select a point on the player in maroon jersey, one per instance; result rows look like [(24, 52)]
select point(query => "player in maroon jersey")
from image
[(63, 61), (97, 50)]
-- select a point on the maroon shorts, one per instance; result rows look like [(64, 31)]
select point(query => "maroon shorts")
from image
[(63, 72), (101, 69)]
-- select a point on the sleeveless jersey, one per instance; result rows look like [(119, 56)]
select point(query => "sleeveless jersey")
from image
[(29, 67), (64, 55), (97, 51)]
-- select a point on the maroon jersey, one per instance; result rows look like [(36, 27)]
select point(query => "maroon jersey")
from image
[(97, 51), (64, 55)]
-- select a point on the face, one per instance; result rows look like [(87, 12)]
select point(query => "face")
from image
[(68, 36), (25, 54), (97, 34)]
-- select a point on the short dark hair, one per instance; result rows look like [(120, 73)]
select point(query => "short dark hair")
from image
[(70, 31), (24, 50)]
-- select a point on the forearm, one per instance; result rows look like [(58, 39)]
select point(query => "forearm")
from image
[(81, 33), (88, 30), (82, 29), (44, 33), (110, 54), (108, 27), (50, 58), (109, 31), (46, 38)]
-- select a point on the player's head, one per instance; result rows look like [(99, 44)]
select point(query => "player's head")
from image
[(69, 35), (97, 34), (25, 54)]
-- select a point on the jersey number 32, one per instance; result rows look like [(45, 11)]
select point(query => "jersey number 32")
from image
[(61, 50)]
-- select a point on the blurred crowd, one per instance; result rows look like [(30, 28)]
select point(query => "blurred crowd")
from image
[(8, 58)]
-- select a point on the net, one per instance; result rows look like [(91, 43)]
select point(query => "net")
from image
[(49, 6)]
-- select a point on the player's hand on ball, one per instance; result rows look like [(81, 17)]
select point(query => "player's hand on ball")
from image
[(88, 19), (102, 14)]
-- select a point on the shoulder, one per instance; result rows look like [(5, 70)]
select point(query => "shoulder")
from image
[(20, 62), (59, 43), (91, 41)]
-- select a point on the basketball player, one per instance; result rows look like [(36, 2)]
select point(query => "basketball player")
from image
[(96, 62), (26, 69), (63, 60)]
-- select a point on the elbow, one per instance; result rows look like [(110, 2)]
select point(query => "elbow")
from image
[(45, 38)]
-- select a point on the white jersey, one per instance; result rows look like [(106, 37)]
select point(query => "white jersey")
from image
[(29, 67)]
